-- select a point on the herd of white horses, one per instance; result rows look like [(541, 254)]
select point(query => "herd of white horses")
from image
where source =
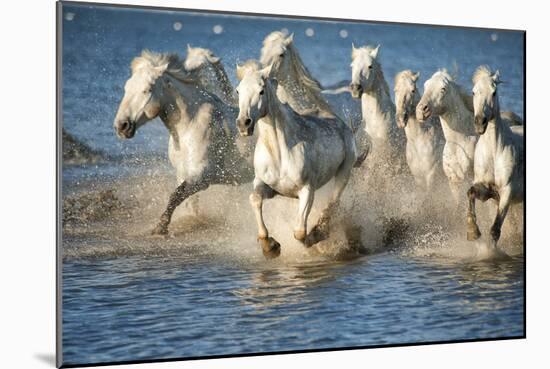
[(277, 130)]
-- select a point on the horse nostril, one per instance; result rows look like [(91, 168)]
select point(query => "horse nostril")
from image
[(425, 108), (247, 122), (124, 126)]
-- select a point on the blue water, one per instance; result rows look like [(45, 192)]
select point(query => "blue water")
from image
[(128, 296)]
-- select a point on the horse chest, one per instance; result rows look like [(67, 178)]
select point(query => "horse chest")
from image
[(189, 154), (457, 162), (283, 172), (421, 153)]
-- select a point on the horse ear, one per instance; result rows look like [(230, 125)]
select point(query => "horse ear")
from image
[(188, 47), (496, 77), (213, 59), (289, 39), (239, 71), (415, 76), (266, 72), (160, 69), (353, 51), (374, 52)]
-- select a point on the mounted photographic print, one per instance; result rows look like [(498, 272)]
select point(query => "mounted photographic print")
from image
[(237, 184)]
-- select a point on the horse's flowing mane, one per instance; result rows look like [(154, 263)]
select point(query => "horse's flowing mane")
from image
[(466, 97), (481, 72), (251, 65), (300, 75), (155, 64), (408, 74), (379, 77), (198, 59)]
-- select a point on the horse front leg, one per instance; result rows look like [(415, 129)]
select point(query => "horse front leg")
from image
[(270, 247), (473, 232), (182, 192), (480, 192), (305, 198), (503, 206)]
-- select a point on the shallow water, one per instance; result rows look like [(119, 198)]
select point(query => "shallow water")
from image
[(194, 304), (207, 289)]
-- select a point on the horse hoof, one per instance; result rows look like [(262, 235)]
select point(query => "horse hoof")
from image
[(160, 230), (473, 234), (270, 247), (495, 234), (300, 236), (316, 235)]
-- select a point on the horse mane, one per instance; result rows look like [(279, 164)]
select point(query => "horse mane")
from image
[(464, 95), (310, 86), (251, 65), (155, 64), (409, 74), (379, 77), (481, 72), (207, 57)]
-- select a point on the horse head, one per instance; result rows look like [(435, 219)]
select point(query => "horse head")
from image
[(363, 69), (486, 105)]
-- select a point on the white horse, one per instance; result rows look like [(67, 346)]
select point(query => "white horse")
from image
[(499, 155), (445, 99), (296, 86), (377, 108), (424, 140), (295, 155), (202, 128), (211, 72)]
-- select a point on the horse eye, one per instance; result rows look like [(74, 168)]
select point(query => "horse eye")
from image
[(494, 93), (282, 56), (237, 91), (443, 90), (261, 92), (413, 91), (370, 66)]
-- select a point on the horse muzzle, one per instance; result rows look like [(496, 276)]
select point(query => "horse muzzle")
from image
[(423, 112), (356, 90), (402, 120), (480, 124), (125, 129), (245, 126)]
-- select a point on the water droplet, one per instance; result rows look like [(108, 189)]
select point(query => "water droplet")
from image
[(217, 29), (494, 37), (177, 26), (310, 32), (343, 33), (69, 16)]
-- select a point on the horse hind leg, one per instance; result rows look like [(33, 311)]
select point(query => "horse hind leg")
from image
[(270, 247), (321, 230), (182, 192)]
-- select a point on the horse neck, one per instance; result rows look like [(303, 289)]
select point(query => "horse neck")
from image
[(377, 98), (457, 121), (496, 128), (275, 128), (177, 113), (225, 85), (296, 84)]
